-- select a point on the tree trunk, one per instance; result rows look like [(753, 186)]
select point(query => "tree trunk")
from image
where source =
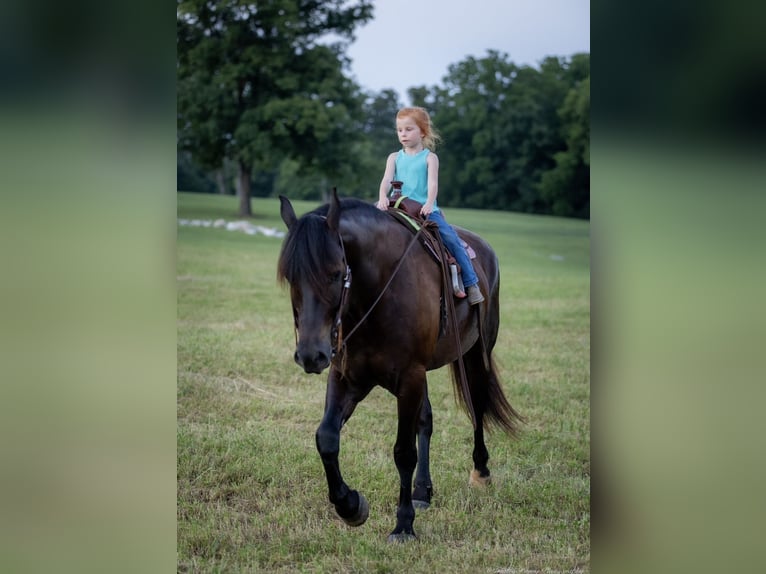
[(220, 181), (243, 190)]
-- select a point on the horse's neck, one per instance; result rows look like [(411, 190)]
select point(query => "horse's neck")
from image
[(379, 252), (374, 249)]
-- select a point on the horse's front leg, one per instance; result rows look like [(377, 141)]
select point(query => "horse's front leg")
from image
[(421, 495), (340, 403), (409, 403)]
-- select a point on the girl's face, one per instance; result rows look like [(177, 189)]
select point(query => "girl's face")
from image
[(409, 133)]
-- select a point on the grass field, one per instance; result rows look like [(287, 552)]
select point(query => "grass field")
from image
[(252, 496)]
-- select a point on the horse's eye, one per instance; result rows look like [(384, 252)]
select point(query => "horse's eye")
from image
[(335, 277)]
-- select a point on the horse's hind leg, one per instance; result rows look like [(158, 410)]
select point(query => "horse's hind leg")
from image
[(480, 473), (421, 496), (478, 380)]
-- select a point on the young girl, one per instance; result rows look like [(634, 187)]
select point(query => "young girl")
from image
[(418, 168)]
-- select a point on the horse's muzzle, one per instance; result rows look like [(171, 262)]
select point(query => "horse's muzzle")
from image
[(312, 360)]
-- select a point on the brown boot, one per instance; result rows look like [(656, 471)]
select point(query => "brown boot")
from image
[(474, 294)]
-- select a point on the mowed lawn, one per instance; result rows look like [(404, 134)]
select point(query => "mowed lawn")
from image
[(252, 495)]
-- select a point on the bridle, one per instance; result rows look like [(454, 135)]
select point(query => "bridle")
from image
[(337, 340), (336, 333)]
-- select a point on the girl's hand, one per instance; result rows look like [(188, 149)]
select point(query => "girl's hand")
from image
[(382, 204), (427, 209)]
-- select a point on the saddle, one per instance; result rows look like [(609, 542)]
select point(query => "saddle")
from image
[(407, 205), (407, 211)]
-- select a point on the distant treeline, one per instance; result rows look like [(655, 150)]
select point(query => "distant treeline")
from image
[(264, 108)]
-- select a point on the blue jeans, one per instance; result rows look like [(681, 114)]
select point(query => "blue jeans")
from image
[(455, 246)]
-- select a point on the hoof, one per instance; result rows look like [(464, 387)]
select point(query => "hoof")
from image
[(477, 480), (361, 514), (401, 538), (421, 497)]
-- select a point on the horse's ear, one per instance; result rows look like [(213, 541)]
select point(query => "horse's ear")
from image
[(287, 212), (333, 215)]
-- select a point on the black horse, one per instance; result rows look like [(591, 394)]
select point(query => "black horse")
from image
[(366, 303)]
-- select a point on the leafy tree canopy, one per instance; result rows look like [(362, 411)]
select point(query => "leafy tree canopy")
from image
[(260, 80)]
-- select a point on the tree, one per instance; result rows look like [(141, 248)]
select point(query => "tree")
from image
[(504, 127), (482, 131), (379, 131), (257, 84), (361, 159), (189, 176), (566, 187)]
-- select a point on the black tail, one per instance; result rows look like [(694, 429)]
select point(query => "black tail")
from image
[(487, 396), (499, 412)]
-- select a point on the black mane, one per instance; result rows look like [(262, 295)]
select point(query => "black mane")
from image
[(352, 207), (310, 247)]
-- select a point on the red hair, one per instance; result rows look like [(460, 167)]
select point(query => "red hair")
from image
[(421, 118)]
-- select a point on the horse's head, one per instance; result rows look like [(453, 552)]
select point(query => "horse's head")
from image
[(313, 263)]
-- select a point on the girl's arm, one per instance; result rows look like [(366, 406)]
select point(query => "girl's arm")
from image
[(385, 183), (432, 162)]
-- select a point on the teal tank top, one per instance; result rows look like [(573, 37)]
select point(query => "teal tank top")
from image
[(412, 171)]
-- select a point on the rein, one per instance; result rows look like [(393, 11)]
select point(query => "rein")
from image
[(461, 376), (340, 343), (336, 334)]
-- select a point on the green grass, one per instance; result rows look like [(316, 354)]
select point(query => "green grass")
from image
[(252, 495)]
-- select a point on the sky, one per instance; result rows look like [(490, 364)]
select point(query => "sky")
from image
[(412, 42)]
